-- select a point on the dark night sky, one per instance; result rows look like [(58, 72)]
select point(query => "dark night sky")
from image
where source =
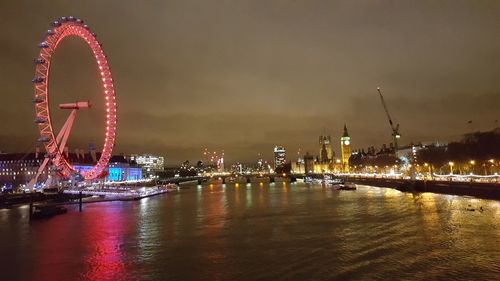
[(245, 75)]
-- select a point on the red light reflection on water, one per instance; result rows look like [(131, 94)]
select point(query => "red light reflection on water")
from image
[(85, 246), (50, 240), (104, 235)]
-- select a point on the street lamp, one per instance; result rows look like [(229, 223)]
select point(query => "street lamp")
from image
[(451, 167), (472, 163), (429, 170), (492, 161)]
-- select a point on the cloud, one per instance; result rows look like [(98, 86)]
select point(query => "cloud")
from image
[(245, 75)]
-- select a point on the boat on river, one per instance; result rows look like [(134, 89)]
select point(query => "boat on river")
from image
[(47, 211), (330, 179), (327, 179), (344, 186)]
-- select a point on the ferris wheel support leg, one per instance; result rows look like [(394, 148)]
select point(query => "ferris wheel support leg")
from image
[(62, 135), (67, 124), (66, 129)]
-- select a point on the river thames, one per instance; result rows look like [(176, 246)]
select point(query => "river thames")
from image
[(259, 232)]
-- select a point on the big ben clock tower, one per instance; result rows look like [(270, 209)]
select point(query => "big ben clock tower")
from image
[(345, 148)]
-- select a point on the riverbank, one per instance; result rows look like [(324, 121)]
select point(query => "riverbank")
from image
[(88, 196), (476, 189), (12, 199)]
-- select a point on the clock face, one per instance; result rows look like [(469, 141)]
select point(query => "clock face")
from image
[(346, 142)]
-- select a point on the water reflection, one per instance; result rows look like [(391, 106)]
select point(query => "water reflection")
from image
[(249, 198), (103, 239), (150, 229), (260, 231)]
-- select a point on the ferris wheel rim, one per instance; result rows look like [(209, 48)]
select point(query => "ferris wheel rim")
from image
[(62, 28)]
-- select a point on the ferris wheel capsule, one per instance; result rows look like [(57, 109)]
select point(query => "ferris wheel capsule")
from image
[(38, 80), (40, 120), (43, 139), (39, 61), (43, 45), (49, 155), (37, 100)]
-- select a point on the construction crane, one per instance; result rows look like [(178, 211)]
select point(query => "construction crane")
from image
[(395, 129)]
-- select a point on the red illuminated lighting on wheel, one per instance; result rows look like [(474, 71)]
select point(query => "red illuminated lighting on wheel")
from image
[(61, 29)]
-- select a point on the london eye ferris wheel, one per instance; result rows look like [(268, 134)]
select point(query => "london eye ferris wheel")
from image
[(53, 142)]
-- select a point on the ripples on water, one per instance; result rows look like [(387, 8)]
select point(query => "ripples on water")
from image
[(259, 232)]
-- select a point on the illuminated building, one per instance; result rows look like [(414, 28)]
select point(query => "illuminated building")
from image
[(214, 160), (298, 166), (237, 168), (279, 157), (220, 163), (17, 169), (118, 169), (325, 149), (345, 150), (149, 162), (320, 167), (260, 164)]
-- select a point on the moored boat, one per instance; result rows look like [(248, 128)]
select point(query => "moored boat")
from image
[(330, 179), (47, 211), (344, 186)]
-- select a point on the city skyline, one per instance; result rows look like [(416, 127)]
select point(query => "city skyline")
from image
[(244, 87)]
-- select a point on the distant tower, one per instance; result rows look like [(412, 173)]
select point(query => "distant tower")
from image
[(220, 163), (325, 149), (279, 157), (345, 148), (308, 163)]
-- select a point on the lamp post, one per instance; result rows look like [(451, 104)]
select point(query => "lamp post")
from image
[(492, 161), (429, 168), (451, 167), (472, 163)]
